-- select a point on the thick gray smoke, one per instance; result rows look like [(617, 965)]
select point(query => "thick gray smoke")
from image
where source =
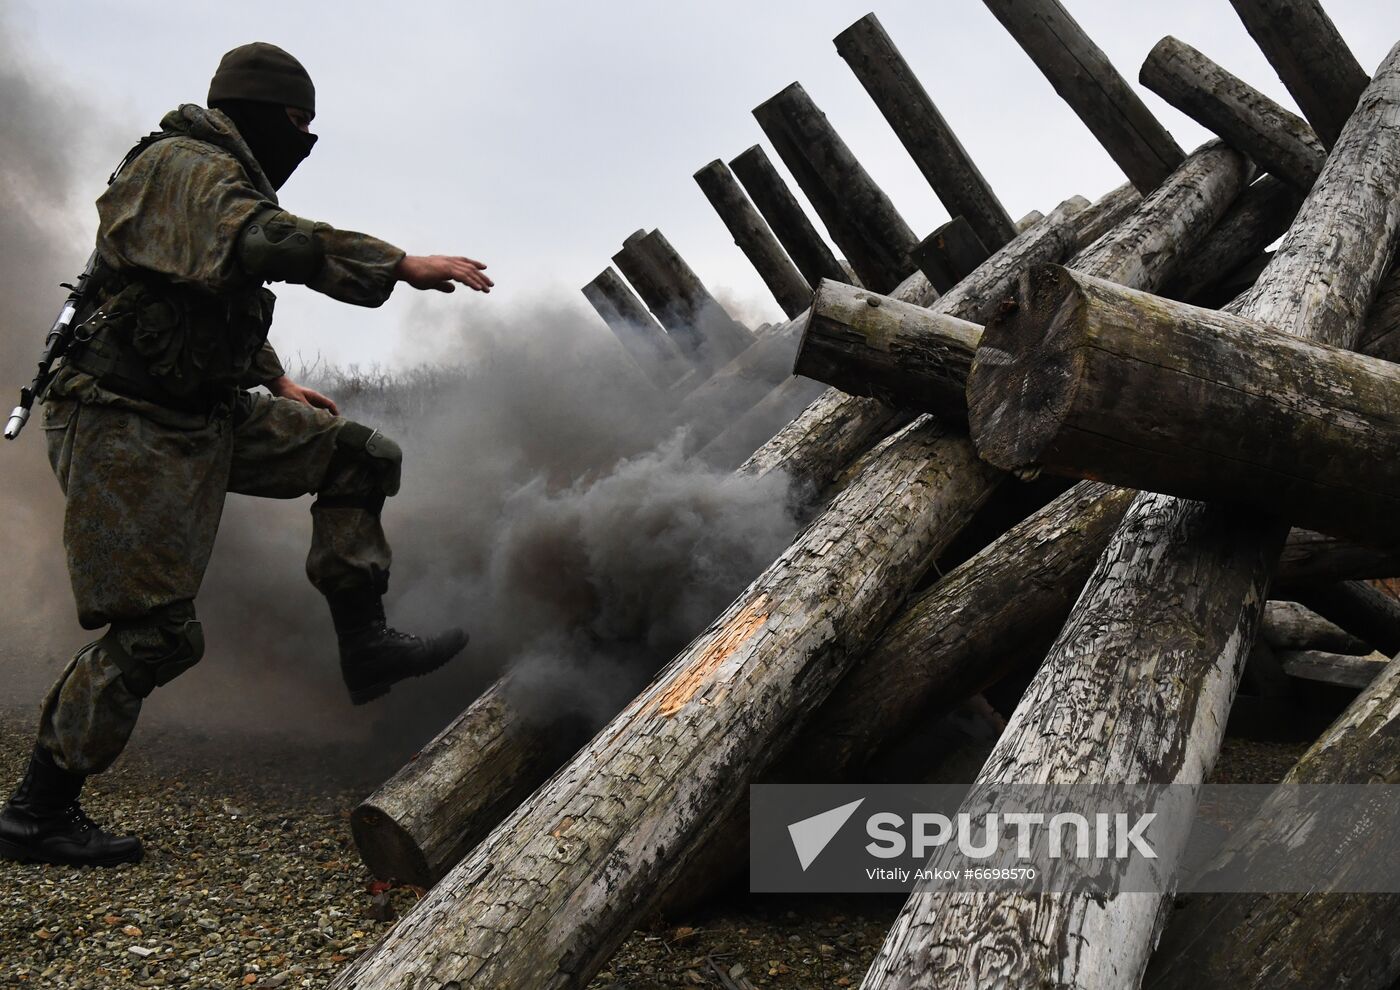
[(546, 507)]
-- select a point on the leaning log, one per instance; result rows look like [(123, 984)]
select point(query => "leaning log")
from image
[(1278, 141), (1359, 608), (1107, 212), (1344, 670), (550, 894), (1288, 626), (1086, 379), (754, 238), (1301, 941), (1310, 56), (718, 336), (637, 330), (786, 217), (950, 254), (857, 213), (1313, 558), (736, 443), (1381, 337), (936, 150), (1088, 82), (1139, 683)]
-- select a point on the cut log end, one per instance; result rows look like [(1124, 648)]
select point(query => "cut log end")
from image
[(390, 852), (1018, 395)]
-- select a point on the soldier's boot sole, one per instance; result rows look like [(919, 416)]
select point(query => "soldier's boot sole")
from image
[(17, 853), (455, 643)]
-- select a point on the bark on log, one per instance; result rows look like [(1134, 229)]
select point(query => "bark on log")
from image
[(548, 896), (1312, 941), (1087, 379), (637, 330), (950, 254), (1257, 219), (1278, 141), (717, 336), (806, 248), (922, 130), (754, 238), (1338, 669), (1288, 626), (1141, 678), (816, 446), (1088, 82), (1107, 212), (1359, 608), (859, 216), (1310, 56)]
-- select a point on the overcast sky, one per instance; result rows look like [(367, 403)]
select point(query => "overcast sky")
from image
[(537, 135)]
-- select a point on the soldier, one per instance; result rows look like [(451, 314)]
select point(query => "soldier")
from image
[(148, 427)]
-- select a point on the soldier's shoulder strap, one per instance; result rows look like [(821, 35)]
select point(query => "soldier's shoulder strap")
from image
[(152, 138)]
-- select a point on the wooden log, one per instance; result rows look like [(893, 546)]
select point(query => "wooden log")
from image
[(1278, 141), (643, 338), (1338, 669), (754, 238), (1381, 337), (915, 119), (1299, 941), (718, 336), (1137, 687), (1310, 56), (1288, 626), (901, 355), (857, 213), (1258, 218), (1359, 608), (806, 248), (950, 254), (548, 896), (756, 426), (1086, 80), (816, 446), (1107, 212), (1158, 395), (1028, 221), (1313, 558)]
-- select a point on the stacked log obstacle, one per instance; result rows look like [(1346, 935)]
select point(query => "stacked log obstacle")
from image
[(1086, 80), (915, 120), (1156, 642), (775, 201), (754, 238), (624, 817), (859, 216)]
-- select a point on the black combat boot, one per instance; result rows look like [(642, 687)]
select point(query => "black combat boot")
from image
[(44, 823), (372, 656)]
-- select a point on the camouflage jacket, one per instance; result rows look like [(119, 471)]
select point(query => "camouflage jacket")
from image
[(172, 219)]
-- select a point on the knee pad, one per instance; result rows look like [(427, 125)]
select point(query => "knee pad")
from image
[(156, 648), (382, 455)]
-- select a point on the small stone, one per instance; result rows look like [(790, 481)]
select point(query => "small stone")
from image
[(132, 930), (140, 950)]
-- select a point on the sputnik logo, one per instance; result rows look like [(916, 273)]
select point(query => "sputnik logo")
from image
[(811, 835)]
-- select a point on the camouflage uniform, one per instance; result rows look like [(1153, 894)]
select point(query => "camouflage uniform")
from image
[(145, 479)]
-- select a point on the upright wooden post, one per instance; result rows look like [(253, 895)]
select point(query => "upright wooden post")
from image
[(1278, 141), (950, 254), (637, 330), (1310, 56), (754, 238), (1088, 82), (856, 211), (721, 337), (806, 248), (922, 130), (661, 296)]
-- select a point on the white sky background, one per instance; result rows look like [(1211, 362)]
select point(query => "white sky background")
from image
[(536, 135)]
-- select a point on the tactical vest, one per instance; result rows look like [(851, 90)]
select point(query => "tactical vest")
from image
[(171, 344)]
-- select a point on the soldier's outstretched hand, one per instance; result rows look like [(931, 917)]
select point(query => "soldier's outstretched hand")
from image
[(439, 271)]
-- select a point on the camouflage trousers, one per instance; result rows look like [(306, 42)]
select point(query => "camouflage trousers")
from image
[(144, 497)]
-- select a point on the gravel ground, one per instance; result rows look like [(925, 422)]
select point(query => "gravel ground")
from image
[(250, 879)]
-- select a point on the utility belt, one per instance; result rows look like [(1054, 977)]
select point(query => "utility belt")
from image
[(118, 370)]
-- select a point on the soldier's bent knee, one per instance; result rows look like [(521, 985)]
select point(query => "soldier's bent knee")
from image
[(156, 648), (379, 453)]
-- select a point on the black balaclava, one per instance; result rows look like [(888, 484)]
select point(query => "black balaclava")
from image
[(254, 85), (277, 143)]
